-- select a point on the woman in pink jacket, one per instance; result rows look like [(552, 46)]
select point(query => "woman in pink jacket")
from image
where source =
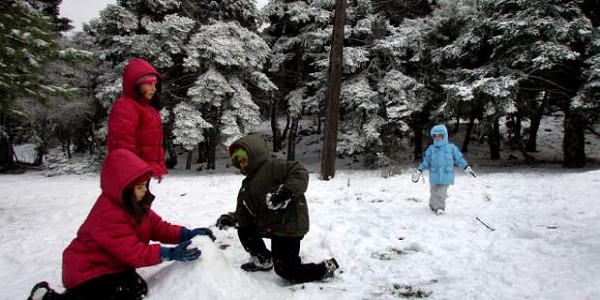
[(115, 238), (134, 122)]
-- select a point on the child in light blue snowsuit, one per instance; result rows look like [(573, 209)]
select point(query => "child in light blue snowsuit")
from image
[(440, 158)]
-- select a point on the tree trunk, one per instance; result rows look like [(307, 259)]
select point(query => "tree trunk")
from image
[(418, 141), (457, 125), (536, 120), (494, 140), (93, 140), (574, 140), (332, 99), (518, 139), (6, 154), (291, 155), (465, 145), (276, 130), (201, 153), (213, 141), (188, 162), (41, 150)]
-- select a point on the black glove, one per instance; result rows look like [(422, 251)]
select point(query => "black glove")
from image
[(279, 199), (226, 220), (187, 234), (180, 252)]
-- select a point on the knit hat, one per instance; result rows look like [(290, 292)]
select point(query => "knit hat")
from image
[(142, 179), (147, 79), (241, 153)]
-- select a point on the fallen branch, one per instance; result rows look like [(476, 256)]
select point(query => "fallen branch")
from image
[(486, 225)]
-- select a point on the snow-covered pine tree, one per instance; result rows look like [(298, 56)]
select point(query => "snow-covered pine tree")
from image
[(29, 43), (229, 59), (515, 45), (298, 34), (188, 41)]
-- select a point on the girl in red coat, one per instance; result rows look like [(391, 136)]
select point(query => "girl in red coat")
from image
[(115, 238), (134, 122)]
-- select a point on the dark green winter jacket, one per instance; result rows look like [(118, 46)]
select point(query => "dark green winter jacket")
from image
[(264, 175)]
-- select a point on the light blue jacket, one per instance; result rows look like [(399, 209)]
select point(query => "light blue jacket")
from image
[(441, 157)]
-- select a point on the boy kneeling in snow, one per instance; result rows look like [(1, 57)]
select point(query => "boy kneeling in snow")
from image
[(271, 204)]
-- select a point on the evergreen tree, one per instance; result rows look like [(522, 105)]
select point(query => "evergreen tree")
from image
[(28, 43), (192, 44), (515, 44)]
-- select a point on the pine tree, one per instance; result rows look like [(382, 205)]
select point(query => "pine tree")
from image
[(192, 44), (512, 45), (28, 44)]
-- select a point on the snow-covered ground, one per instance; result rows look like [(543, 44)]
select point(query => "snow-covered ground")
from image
[(545, 243), (543, 240)]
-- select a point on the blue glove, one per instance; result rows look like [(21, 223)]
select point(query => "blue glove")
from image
[(187, 234), (470, 171), (180, 252), (279, 199)]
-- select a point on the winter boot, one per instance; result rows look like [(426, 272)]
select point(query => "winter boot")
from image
[(42, 291), (258, 263), (330, 266)]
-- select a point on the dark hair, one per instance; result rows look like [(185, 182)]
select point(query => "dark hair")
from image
[(138, 209)]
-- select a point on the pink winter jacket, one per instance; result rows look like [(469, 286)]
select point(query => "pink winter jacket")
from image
[(109, 240), (135, 125)]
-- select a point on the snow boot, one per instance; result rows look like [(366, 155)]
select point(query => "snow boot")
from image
[(258, 263), (42, 291), (330, 266)]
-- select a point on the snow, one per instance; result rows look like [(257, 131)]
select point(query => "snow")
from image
[(545, 244)]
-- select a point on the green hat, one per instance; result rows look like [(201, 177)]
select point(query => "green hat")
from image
[(241, 153)]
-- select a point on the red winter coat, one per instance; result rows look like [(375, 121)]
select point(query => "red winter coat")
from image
[(135, 125), (109, 240)]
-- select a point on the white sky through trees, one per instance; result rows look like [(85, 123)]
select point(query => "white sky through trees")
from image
[(82, 11)]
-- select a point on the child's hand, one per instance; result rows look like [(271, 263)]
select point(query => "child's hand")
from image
[(470, 171), (416, 175)]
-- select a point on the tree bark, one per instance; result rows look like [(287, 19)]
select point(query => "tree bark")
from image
[(291, 155), (536, 120), (332, 99), (494, 140), (418, 141), (275, 128), (188, 162), (465, 145), (212, 141), (574, 140)]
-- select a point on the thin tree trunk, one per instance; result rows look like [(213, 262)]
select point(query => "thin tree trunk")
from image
[(465, 145), (536, 120), (332, 99), (494, 140), (188, 162), (201, 153), (574, 140), (418, 141), (291, 155), (276, 130), (213, 141)]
